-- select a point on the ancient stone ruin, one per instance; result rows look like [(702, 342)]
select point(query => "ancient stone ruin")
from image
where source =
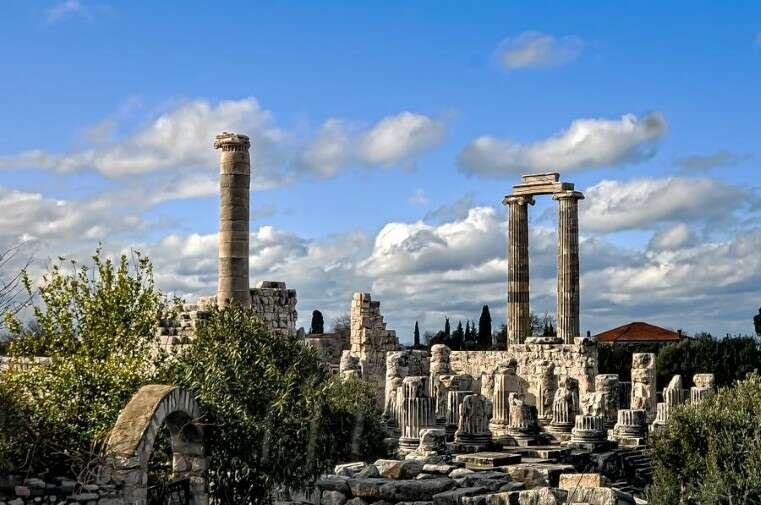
[(531, 423)]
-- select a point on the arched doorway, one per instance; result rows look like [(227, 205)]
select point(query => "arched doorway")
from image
[(131, 443)]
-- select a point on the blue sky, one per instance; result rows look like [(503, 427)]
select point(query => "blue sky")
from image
[(666, 97)]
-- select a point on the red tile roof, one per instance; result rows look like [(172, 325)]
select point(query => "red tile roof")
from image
[(638, 332)]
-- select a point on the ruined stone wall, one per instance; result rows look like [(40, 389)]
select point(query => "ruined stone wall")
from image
[(271, 302), (276, 305), (370, 341), (15, 490), (578, 360)]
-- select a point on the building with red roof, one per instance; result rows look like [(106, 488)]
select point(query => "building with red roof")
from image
[(639, 333)]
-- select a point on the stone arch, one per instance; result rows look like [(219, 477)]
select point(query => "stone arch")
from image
[(131, 442)]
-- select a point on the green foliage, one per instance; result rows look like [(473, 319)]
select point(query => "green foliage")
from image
[(729, 358), (95, 324), (484, 328), (710, 453), (276, 417), (617, 358)]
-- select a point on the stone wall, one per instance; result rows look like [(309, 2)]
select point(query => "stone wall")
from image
[(276, 306), (370, 341), (330, 346), (17, 491), (577, 360), (271, 301)]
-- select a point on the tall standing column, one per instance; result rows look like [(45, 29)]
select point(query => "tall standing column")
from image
[(234, 186), (568, 265), (518, 315)]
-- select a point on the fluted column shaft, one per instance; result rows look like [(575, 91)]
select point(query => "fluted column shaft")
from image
[(568, 265), (518, 312), (234, 187)]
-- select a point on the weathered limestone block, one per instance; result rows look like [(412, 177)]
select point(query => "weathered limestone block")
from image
[(546, 384), (274, 304), (593, 404), (454, 400), (370, 341), (704, 387), (631, 428), (643, 384), (432, 447), (578, 360), (416, 413), (473, 425), (588, 429), (442, 385), (505, 382), (524, 423), (564, 407), (607, 386), (573, 481), (349, 365), (673, 396)]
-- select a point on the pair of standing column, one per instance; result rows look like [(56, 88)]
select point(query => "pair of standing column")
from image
[(518, 312)]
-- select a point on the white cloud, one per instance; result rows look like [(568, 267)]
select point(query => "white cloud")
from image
[(398, 138), (419, 198), (450, 211), (66, 9), (538, 50), (587, 143), (671, 238), (179, 142), (180, 137), (394, 140), (643, 203), (422, 271)]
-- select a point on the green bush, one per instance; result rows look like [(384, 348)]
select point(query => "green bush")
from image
[(729, 359), (96, 325), (275, 416), (710, 453)]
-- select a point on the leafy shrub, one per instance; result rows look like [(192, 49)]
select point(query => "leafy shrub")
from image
[(710, 453), (729, 359), (275, 416), (96, 325)]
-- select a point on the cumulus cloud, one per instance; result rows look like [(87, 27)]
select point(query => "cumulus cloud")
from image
[(394, 140), (450, 211), (423, 270), (705, 162), (179, 141), (645, 202), (177, 138), (538, 50), (26, 216), (671, 238), (585, 144)]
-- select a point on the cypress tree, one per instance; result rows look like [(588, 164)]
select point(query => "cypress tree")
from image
[(416, 340), (484, 328), (318, 324)]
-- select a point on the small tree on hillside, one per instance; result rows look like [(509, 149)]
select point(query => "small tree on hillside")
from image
[(484, 328), (342, 326), (318, 323), (458, 337)]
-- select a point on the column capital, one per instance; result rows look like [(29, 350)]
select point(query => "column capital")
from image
[(518, 200), (564, 195), (232, 142)]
